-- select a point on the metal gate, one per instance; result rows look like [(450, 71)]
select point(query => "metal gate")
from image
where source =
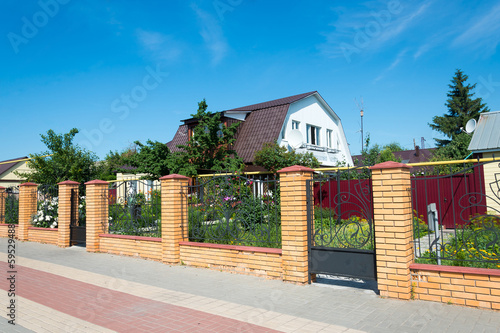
[(340, 224), (78, 231)]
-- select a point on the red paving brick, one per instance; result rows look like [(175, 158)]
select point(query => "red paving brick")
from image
[(116, 310)]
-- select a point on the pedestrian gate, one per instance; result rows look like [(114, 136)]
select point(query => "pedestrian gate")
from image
[(78, 231), (340, 225)]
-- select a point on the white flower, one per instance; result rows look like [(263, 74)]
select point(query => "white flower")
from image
[(47, 217), (35, 220), (110, 218)]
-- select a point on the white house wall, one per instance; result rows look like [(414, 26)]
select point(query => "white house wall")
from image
[(312, 111)]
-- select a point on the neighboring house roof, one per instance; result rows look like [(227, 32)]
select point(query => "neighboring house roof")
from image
[(486, 136), (262, 124), (416, 155), (7, 164)]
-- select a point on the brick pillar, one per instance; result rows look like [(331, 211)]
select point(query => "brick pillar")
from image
[(174, 216), (27, 208), (3, 196), (393, 228), (294, 223), (96, 212), (64, 211)]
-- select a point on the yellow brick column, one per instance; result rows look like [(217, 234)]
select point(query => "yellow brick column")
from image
[(174, 216), (3, 197), (393, 228), (294, 223), (96, 212), (27, 208), (64, 211)]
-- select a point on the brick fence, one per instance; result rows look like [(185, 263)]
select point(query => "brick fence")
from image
[(397, 275)]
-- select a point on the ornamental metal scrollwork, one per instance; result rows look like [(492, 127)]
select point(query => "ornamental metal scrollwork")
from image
[(235, 210), (346, 221)]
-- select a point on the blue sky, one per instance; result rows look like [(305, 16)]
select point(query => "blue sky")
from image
[(121, 71)]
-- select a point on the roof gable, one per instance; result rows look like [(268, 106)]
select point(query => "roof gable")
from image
[(8, 164)]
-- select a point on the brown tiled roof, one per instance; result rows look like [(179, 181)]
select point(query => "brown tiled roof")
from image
[(180, 138), (6, 166), (260, 126), (263, 124)]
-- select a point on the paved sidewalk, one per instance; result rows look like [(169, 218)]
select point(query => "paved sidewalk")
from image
[(70, 290)]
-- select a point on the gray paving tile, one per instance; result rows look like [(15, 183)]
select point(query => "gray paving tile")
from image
[(344, 308)]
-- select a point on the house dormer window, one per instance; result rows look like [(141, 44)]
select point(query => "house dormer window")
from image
[(313, 135), (329, 138)]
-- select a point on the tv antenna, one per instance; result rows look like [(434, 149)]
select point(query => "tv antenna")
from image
[(361, 112)]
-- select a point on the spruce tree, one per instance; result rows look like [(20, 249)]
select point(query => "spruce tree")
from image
[(462, 106)]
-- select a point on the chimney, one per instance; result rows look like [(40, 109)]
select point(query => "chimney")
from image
[(417, 151)]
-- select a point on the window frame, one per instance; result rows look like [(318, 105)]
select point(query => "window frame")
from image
[(315, 137)]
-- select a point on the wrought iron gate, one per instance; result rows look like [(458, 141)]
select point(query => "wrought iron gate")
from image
[(340, 225), (78, 231)]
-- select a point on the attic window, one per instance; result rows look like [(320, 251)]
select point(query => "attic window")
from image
[(295, 125), (329, 138), (313, 135)]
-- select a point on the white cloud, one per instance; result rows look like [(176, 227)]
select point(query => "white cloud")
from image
[(484, 32), (161, 47), (402, 24), (370, 29), (393, 65), (212, 35)]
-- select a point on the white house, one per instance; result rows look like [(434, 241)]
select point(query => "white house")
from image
[(304, 122)]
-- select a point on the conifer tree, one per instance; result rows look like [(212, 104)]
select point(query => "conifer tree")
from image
[(462, 106)]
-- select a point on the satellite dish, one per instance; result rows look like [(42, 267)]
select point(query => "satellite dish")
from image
[(295, 139), (470, 126)]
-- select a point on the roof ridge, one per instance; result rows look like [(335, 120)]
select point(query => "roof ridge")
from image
[(274, 102)]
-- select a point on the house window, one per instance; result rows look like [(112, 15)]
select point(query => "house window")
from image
[(313, 135), (329, 138), (220, 134), (295, 125)]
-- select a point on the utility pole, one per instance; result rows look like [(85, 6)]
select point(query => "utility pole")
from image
[(361, 112)]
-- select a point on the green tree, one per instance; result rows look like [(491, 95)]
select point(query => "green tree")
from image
[(274, 157), (209, 148), (151, 158), (67, 161), (462, 106), (457, 149), (375, 154), (114, 162)]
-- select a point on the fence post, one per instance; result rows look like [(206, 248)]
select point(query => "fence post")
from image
[(27, 208), (3, 196), (393, 220), (96, 212), (174, 216), (294, 223), (64, 211)]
